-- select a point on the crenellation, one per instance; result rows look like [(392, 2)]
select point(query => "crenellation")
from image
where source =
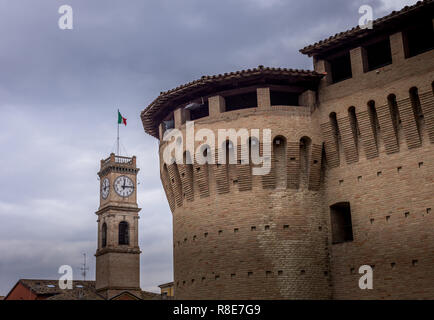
[(427, 105), (293, 164), (387, 129), (409, 124), (201, 178), (186, 175), (367, 134), (175, 182), (348, 140), (331, 146), (315, 168)]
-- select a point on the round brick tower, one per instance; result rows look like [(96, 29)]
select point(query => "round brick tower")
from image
[(349, 179), (238, 235)]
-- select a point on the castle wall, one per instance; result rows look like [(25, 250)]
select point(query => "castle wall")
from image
[(364, 144), (242, 236), (386, 172)]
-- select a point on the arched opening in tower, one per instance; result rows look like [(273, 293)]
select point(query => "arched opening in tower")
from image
[(279, 152), (417, 111), (396, 120), (305, 147)]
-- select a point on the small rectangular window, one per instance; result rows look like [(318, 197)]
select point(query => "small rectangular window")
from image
[(199, 111), (342, 228), (241, 101), (169, 123), (282, 98), (419, 38), (341, 68), (378, 54), (124, 238)]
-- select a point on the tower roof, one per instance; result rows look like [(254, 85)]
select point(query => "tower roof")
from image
[(167, 101), (383, 24)]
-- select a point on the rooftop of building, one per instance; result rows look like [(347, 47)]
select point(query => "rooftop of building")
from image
[(81, 290), (166, 285), (167, 101), (380, 25)]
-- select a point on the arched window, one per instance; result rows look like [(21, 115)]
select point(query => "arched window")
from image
[(394, 112), (279, 152), (417, 110), (104, 235), (305, 146), (254, 151), (372, 111), (205, 155), (354, 125), (335, 128), (123, 233), (230, 159)]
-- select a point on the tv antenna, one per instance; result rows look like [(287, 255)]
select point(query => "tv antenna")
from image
[(84, 268)]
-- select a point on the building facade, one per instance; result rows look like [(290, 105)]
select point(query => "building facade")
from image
[(166, 289), (351, 181)]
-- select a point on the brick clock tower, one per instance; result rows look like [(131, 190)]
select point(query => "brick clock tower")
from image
[(118, 253)]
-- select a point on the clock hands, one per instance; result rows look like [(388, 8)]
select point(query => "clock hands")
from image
[(124, 186), (105, 188)]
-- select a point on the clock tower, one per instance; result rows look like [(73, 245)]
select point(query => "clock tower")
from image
[(118, 253)]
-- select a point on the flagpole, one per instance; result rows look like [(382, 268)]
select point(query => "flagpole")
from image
[(118, 135)]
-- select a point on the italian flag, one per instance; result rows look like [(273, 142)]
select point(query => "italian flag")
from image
[(121, 119)]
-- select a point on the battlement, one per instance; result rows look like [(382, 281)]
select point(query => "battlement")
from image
[(118, 164), (295, 165), (210, 96), (406, 121)]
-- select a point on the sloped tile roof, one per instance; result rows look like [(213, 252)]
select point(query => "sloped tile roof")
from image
[(48, 287), (165, 98), (81, 290), (357, 32)]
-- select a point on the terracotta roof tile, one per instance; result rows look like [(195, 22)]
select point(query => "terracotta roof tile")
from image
[(82, 290), (356, 32), (165, 97)]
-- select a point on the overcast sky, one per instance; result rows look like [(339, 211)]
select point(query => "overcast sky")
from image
[(60, 89)]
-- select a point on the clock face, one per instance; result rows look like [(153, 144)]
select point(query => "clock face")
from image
[(124, 186), (105, 188)]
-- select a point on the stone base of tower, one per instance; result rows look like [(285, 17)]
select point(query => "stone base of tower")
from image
[(272, 248), (117, 272)]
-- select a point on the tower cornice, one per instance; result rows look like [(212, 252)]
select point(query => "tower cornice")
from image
[(119, 164), (130, 250), (117, 208)]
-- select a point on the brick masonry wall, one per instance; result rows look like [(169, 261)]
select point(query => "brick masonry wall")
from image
[(245, 237), (390, 188), (249, 237)]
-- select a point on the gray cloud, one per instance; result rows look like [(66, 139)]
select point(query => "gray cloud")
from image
[(59, 91)]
